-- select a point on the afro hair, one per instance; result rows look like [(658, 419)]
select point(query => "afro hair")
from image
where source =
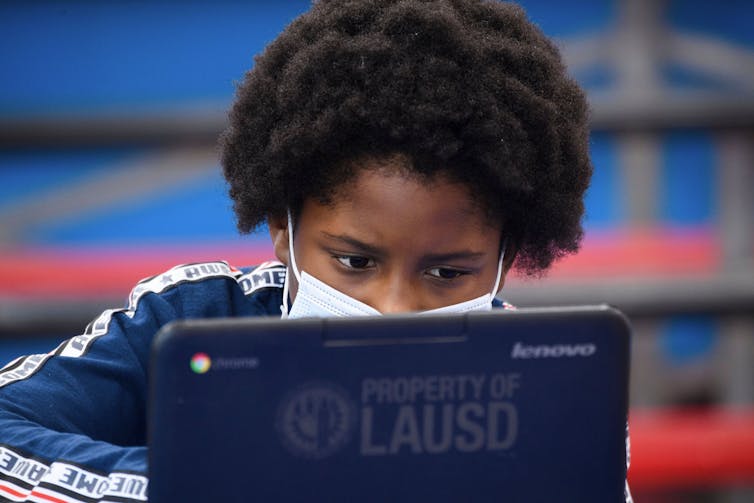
[(467, 88)]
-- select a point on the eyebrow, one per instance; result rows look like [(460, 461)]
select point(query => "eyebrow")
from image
[(380, 252), (355, 243), (459, 255)]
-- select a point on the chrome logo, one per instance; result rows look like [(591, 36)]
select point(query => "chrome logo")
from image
[(200, 363)]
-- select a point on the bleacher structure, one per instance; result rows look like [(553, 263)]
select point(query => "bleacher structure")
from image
[(107, 176)]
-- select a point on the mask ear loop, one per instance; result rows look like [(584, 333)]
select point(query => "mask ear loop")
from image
[(292, 259), (499, 271)]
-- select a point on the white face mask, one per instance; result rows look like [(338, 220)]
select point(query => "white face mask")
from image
[(317, 299)]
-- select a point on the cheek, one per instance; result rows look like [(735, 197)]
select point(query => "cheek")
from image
[(324, 268), (319, 264)]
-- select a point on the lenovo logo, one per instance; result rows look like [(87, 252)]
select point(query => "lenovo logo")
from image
[(555, 351)]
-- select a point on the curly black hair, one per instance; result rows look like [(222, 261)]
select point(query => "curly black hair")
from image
[(467, 88)]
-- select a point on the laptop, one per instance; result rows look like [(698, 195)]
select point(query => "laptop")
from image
[(527, 405)]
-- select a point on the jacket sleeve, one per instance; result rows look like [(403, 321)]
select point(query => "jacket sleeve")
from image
[(73, 421)]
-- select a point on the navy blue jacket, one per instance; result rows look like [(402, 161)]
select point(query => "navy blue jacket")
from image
[(72, 421)]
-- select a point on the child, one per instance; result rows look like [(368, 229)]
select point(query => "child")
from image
[(405, 156)]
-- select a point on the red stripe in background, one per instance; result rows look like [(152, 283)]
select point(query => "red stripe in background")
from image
[(644, 252), (93, 271), (90, 272), (691, 448)]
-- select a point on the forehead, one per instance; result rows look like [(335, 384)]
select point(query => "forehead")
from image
[(387, 181), (408, 195), (390, 205)]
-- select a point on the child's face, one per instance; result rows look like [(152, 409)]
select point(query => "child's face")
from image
[(396, 243)]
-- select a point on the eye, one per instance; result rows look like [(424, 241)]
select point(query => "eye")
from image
[(355, 261), (446, 272)]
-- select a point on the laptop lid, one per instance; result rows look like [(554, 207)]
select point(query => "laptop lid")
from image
[(526, 405)]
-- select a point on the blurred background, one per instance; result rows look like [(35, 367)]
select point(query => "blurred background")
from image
[(109, 115)]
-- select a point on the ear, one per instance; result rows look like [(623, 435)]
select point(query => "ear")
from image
[(510, 256), (511, 250), (279, 234)]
